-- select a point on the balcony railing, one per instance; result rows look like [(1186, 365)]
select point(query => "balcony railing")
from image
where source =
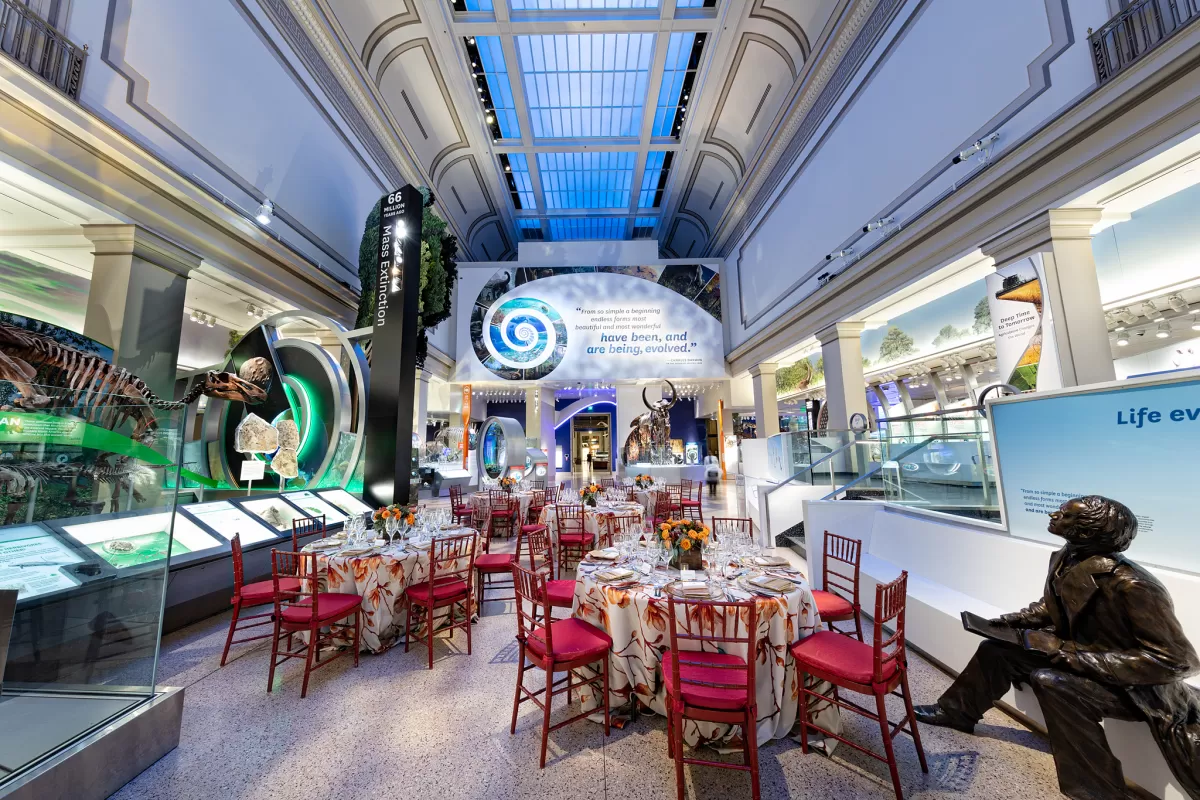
[(34, 42), (1137, 30)]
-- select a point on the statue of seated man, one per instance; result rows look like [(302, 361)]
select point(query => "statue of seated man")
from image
[(1103, 642)]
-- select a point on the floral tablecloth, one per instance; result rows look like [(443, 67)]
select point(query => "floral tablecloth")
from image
[(647, 498), (480, 501), (595, 519), (380, 578), (637, 622)]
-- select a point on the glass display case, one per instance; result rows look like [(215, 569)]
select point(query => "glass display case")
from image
[(274, 511), (502, 450), (347, 502), (88, 617), (228, 520), (314, 506)]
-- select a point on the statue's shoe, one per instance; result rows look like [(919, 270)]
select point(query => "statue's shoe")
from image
[(936, 715)]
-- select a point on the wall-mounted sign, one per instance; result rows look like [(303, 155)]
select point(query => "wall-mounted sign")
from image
[(1025, 354), (582, 323)]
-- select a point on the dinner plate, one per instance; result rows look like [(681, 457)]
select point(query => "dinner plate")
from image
[(744, 583), (769, 561), (675, 588)]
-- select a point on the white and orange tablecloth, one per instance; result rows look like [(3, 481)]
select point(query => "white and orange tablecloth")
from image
[(595, 518)]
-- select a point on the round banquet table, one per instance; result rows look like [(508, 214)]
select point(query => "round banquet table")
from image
[(637, 621), (645, 498), (481, 501), (380, 578), (595, 518)]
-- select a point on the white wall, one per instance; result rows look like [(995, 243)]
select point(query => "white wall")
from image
[(211, 89), (885, 147), (956, 565)]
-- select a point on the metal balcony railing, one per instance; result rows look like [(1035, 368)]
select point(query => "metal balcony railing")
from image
[(1137, 30), (35, 43)]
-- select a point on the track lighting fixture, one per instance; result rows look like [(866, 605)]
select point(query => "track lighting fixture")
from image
[(266, 212), (1163, 331)]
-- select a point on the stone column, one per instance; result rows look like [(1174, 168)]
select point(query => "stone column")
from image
[(136, 299), (766, 400), (1063, 239), (939, 390), (545, 432), (533, 414), (845, 392), (905, 397)]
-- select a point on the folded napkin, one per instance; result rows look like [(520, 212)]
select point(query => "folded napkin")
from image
[(693, 588), (770, 561), (607, 554), (612, 575), (772, 583)]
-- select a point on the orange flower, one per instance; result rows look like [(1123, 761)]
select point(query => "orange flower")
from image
[(685, 544)]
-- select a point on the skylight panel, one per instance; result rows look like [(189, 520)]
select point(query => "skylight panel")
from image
[(679, 73), (654, 178), (531, 229), (493, 86), (568, 228), (473, 5), (695, 3), (580, 5), (579, 85), (586, 180), (643, 227), (516, 175)]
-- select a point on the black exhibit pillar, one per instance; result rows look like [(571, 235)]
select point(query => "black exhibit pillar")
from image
[(389, 429)]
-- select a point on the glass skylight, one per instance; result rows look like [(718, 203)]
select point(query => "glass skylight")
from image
[(586, 180), (693, 3), (567, 228), (491, 75), (683, 59), (591, 84), (530, 228), (516, 175), (654, 178), (477, 5), (580, 5), (643, 227)]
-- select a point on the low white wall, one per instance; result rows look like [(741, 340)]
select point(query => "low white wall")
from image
[(957, 565)]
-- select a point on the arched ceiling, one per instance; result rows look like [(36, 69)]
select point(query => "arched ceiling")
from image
[(579, 119)]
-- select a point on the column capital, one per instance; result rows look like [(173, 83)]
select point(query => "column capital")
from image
[(139, 242), (424, 375), (767, 368), (841, 330), (1038, 234)]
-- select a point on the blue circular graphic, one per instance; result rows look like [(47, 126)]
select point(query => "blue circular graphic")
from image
[(520, 338)]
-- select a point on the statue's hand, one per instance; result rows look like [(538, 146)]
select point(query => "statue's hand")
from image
[(1042, 642)]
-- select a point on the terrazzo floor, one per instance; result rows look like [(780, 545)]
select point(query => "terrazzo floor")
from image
[(392, 728)]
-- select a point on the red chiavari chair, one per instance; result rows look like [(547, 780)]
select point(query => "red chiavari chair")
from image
[(536, 503), (707, 681), (459, 508), (560, 592), (690, 500), (729, 526), (607, 483), (837, 600), (448, 587), (303, 527), (538, 485), (621, 524), (674, 491), (251, 594), (573, 537), (876, 669), (491, 566), (562, 645), (308, 610), (662, 507), (504, 510)]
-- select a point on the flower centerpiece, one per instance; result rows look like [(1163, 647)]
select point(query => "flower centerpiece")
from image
[(508, 483), (403, 515), (643, 482), (589, 494), (686, 539)]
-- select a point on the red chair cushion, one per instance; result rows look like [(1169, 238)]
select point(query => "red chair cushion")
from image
[(691, 503), (577, 538), (442, 592), (839, 655), (561, 593), (495, 562), (725, 698), (832, 607), (330, 606), (461, 510), (573, 639), (534, 528), (255, 594)]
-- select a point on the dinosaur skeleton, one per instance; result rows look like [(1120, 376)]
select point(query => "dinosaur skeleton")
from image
[(652, 429)]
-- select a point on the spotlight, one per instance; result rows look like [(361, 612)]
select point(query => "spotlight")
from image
[(1127, 316), (977, 147), (839, 254), (490, 119), (250, 310), (1123, 340), (879, 223), (1164, 330), (508, 168), (1176, 303), (471, 40), (211, 320), (1196, 323), (265, 212)]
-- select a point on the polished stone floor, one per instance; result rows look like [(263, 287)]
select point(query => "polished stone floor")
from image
[(391, 728)]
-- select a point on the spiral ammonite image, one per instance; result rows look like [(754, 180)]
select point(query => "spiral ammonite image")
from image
[(521, 338)]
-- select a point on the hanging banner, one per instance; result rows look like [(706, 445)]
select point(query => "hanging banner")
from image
[(389, 430), (1025, 354), (466, 419)]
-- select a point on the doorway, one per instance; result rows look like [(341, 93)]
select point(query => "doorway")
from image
[(591, 450)]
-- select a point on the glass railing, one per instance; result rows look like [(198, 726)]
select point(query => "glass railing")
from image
[(952, 473), (917, 427), (87, 486)]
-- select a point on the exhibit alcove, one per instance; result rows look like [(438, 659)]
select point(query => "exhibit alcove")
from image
[(501, 452)]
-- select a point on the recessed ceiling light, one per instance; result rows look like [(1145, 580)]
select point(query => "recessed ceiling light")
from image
[(490, 119), (1123, 340), (1164, 330)]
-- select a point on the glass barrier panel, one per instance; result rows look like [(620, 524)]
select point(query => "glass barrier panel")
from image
[(88, 488), (953, 474)]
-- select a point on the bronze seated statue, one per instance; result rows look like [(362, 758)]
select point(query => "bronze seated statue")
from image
[(1103, 642)]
